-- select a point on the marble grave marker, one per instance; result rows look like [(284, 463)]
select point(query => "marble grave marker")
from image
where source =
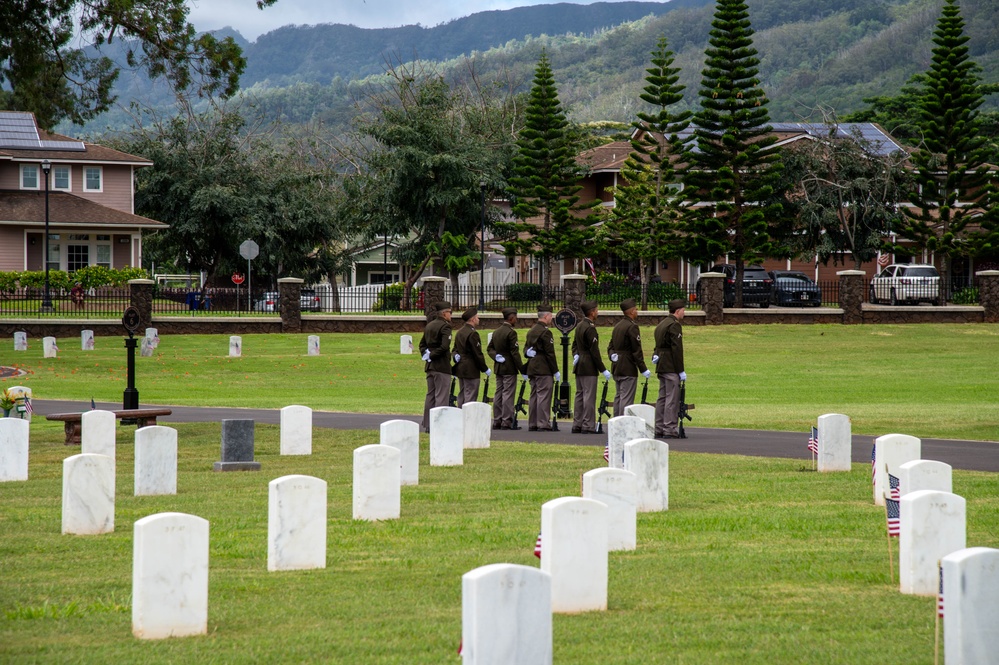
[(296, 523)]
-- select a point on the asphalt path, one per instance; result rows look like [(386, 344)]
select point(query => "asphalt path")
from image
[(960, 454)]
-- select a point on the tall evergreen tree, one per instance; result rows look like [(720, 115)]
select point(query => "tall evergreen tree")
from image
[(735, 173), (646, 220), (951, 173), (545, 182)]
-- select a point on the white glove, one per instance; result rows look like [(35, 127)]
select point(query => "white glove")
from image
[(655, 360), (524, 377), (530, 353), (575, 359), (646, 374), (426, 356), (489, 373), (683, 376), (607, 374), (558, 375), (457, 357), (613, 357), (500, 359)]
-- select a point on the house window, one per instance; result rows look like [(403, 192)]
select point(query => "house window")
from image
[(29, 176), (77, 256), (60, 178), (54, 251), (92, 181)]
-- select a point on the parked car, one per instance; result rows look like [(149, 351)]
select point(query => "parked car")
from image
[(268, 302), (309, 301), (793, 288), (756, 283), (903, 283)]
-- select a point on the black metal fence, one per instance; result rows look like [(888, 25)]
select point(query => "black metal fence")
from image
[(106, 302)]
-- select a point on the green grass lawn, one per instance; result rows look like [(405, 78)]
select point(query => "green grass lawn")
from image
[(924, 380), (757, 561)]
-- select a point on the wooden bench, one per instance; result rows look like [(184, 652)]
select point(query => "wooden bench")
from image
[(73, 426)]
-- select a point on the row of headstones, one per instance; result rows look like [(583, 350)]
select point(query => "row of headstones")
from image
[(236, 346), (151, 340)]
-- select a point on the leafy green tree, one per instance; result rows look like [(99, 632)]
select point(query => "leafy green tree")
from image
[(646, 221), (951, 173), (545, 182), (40, 71), (735, 173)]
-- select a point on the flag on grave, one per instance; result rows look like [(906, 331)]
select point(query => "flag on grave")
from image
[(607, 453), (874, 471), (893, 490), (27, 405), (813, 441), (940, 602), (892, 511), (537, 546)]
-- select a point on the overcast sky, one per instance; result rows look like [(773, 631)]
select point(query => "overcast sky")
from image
[(252, 22)]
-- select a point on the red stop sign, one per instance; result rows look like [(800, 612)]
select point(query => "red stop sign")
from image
[(237, 278)]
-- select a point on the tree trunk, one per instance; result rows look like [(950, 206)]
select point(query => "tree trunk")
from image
[(944, 292), (408, 288), (643, 271)]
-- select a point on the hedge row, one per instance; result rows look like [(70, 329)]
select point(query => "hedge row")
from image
[(89, 277)]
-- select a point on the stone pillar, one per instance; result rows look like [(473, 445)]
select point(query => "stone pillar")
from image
[(433, 292), (988, 294), (141, 296), (290, 299), (851, 295), (713, 298), (574, 288)]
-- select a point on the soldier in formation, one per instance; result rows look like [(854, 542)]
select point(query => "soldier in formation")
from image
[(627, 359), (668, 359), (435, 349), (587, 364), (504, 349), (469, 363), (542, 371)]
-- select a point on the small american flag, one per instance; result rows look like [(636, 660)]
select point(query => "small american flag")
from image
[(607, 454), (893, 490), (27, 405), (874, 470), (891, 508), (813, 441), (537, 546), (589, 264), (940, 603)]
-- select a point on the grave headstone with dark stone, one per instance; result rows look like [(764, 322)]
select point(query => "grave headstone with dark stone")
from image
[(237, 447)]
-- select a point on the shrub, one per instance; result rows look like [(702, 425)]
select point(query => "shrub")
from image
[(966, 296), (35, 279), (8, 281), (390, 298), (523, 292)]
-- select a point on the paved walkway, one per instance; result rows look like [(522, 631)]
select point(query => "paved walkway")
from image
[(970, 455)]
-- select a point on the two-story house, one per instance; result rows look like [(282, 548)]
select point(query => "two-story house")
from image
[(89, 190)]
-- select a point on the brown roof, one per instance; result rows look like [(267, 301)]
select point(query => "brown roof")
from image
[(607, 157), (28, 209), (91, 153)]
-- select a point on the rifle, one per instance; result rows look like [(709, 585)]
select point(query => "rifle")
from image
[(521, 406), (485, 393), (603, 409), (555, 408), (684, 408), (452, 399), (645, 390)]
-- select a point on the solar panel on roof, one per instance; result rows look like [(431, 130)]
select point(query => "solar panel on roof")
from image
[(18, 131)]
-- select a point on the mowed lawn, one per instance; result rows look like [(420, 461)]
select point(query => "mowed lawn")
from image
[(756, 561), (924, 380)]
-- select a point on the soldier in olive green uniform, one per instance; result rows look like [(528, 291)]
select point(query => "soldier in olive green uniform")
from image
[(587, 364), (505, 350), (627, 359), (435, 348), (542, 370), (468, 359), (668, 358)]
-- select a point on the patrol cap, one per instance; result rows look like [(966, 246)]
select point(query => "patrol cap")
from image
[(469, 313), (588, 306), (675, 304), (628, 303), (544, 309), (442, 305), (508, 311)]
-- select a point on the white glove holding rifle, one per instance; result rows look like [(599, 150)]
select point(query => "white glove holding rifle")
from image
[(426, 356), (500, 359)]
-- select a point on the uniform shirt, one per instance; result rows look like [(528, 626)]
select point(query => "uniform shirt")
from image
[(504, 343), (544, 362), (437, 339), (468, 345), (626, 342), (669, 346), (586, 344)]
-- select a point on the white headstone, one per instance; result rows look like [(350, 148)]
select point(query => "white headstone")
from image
[(835, 442), (49, 347), (477, 424), (22, 401), (20, 341), (146, 348), (924, 474), (648, 459), (893, 450), (446, 436), (376, 483), (313, 345), (932, 525), (296, 523), (646, 412), (14, 434), (971, 606), (87, 340), (574, 553), (97, 433), (621, 430), (169, 576), (405, 436), (618, 490), (153, 335), (235, 346), (155, 460), (296, 430), (87, 494), (506, 616), (406, 344)]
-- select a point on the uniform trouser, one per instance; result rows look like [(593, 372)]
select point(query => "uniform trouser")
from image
[(624, 395), (668, 405), (539, 409), (469, 391), (503, 400), (585, 406), (438, 392)]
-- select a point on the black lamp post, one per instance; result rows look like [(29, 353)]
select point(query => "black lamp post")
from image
[(482, 248), (47, 299)]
